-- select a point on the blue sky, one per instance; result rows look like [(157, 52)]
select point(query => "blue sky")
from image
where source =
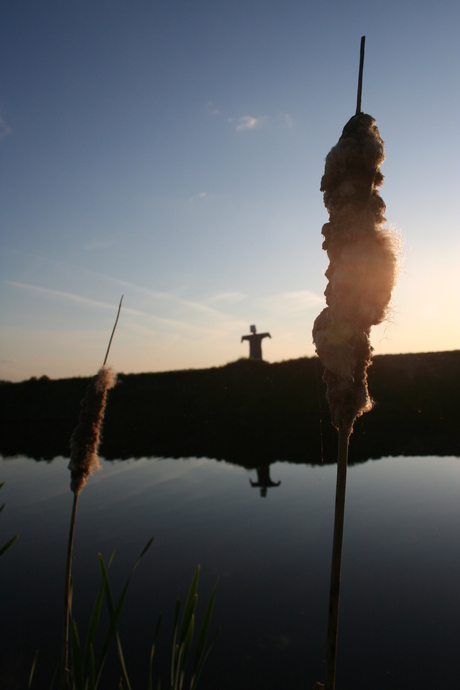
[(172, 151)]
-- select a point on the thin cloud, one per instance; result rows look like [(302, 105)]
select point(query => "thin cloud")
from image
[(170, 297), (248, 122), (78, 299), (223, 326)]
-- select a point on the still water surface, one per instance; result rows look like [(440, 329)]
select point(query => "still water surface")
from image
[(400, 598)]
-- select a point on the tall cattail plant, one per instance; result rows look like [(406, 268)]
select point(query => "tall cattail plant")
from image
[(84, 460), (361, 274)]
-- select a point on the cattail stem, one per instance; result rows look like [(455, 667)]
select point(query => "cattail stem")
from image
[(360, 77), (334, 595), (65, 681), (113, 331)]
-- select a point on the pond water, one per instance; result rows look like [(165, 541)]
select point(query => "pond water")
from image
[(270, 549)]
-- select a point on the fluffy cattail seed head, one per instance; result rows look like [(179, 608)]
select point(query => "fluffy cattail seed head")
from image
[(84, 442), (362, 267)]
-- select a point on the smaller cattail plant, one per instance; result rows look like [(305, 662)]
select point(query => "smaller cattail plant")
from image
[(86, 672), (84, 460)]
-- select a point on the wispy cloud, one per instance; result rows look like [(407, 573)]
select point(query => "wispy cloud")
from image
[(251, 122), (248, 122), (172, 299), (78, 299)]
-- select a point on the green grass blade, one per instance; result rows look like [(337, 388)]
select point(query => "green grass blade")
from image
[(34, 663), (90, 672), (144, 551), (180, 635), (176, 615), (152, 652), (177, 668), (196, 677), (175, 647), (114, 613), (174, 658), (185, 650), (92, 629), (77, 668), (8, 544), (204, 631), (1, 507), (190, 606)]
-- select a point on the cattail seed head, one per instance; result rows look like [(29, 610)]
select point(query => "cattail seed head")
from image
[(362, 267), (85, 439)]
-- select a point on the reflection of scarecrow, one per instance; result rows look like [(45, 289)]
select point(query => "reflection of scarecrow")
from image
[(255, 342), (264, 480)]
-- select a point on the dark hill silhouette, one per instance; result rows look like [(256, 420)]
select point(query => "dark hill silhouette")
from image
[(247, 412)]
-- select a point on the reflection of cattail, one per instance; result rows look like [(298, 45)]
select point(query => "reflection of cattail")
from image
[(361, 271), (85, 439)]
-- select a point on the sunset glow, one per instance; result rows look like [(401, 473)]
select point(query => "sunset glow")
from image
[(172, 153)]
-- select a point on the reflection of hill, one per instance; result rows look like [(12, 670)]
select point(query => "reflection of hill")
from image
[(247, 412)]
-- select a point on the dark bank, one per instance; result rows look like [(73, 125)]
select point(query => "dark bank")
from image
[(246, 412)]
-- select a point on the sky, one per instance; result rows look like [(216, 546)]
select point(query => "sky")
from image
[(171, 151)]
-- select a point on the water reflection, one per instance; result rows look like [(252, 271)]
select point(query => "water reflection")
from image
[(264, 480), (400, 613), (310, 444)]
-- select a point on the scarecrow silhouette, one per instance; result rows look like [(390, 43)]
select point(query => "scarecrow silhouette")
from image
[(255, 342)]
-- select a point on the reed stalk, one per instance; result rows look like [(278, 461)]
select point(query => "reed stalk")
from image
[(336, 566), (65, 672)]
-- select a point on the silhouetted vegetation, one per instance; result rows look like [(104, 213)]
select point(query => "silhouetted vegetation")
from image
[(246, 412)]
